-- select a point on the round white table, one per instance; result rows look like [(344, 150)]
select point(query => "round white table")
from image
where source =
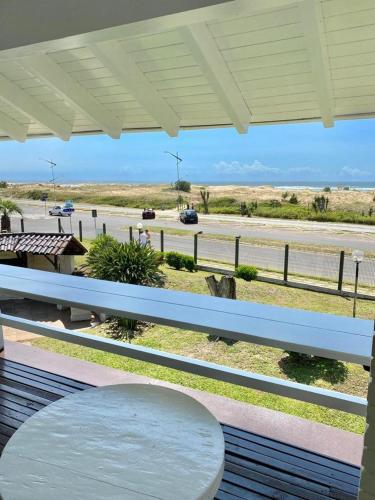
[(129, 441)]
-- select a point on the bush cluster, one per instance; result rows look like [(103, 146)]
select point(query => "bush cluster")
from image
[(247, 273), (180, 261)]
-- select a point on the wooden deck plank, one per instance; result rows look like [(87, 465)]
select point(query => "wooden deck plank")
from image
[(255, 466)]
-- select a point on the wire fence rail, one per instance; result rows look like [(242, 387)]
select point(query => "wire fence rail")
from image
[(287, 265)]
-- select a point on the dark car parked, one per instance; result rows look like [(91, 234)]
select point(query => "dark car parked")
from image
[(189, 217), (148, 213)]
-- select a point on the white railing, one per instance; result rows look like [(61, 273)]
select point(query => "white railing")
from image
[(312, 333)]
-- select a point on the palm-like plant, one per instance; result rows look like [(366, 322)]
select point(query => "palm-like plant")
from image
[(7, 208)]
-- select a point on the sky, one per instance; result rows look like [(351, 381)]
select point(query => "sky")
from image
[(279, 153)]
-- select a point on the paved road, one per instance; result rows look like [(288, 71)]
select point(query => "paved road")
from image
[(266, 257)]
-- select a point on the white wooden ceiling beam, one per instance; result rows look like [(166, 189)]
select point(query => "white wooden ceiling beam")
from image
[(47, 70), (312, 22), (206, 53), (28, 105), (247, 8), (114, 57), (13, 129)]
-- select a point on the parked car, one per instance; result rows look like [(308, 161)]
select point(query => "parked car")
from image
[(148, 213), (189, 217), (68, 206), (59, 211)]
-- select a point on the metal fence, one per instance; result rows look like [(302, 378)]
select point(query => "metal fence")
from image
[(335, 270)]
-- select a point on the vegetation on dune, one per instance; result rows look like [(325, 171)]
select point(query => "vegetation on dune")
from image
[(358, 208)]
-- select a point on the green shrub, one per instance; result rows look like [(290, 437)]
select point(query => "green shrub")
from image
[(160, 256), (131, 262), (327, 189), (293, 199), (175, 260), (179, 261), (3, 184), (247, 273), (189, 263), (183, 186)]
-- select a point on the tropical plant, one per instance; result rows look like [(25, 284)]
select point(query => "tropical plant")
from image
[(285, 195), (293, 199), (205, 195), (132, 263), (247, 273), (7, 208), (251, 208)]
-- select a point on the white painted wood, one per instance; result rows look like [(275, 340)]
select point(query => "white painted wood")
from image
[(323, 335), (367, 484), (15, 130), (127, 441), (314, 36), (1, 336), (114, 57), (301, 392), (23, 101), (208, 56), (50, 72)]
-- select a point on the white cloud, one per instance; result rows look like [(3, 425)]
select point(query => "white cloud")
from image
[(235, 167), (354, 172), (302, 170)]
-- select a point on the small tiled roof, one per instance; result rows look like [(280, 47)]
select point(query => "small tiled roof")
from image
[(41, 243)]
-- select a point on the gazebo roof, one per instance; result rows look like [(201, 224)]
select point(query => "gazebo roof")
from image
[(144, 66)]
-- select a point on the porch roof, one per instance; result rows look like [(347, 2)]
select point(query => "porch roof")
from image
[(183, 65), (41, 243)]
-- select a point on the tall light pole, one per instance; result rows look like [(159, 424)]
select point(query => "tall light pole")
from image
[(53, 179), (357, 257), (178, 161)]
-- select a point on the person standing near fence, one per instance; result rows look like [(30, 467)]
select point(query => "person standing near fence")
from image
[(148, 238), (143, 238)]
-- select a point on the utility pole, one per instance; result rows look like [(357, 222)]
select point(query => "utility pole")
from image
[(178, 161), (53, 177)]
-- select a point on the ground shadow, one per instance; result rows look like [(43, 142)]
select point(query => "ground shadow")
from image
[(216, 338), (307, 370)]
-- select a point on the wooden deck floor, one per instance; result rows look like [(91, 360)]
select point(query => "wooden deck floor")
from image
[(255, 467)]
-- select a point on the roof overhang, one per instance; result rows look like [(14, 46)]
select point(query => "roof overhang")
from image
[(88, 66)]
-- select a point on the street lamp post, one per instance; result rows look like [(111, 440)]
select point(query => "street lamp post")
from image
[(357, 257), (178, 161), (196, 246)]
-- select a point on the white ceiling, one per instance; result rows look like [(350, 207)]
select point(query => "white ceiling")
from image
[(276, 61)]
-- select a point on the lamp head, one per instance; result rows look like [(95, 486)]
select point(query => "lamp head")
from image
[(357, 255), (139, 225)]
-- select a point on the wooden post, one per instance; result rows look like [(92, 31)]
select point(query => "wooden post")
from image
[(196, 248), (104, 228), (130, 233), (237, 252), (286, 262), (226, 287), (22, 226), (367, 483), (341, 271), (161, 240), (59, 226), (80, 230)]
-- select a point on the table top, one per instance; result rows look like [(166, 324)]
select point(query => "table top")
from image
[(132, 441)]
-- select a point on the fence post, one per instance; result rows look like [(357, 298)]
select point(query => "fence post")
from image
[(104, 228), (286, 262), (59, 226), (237, 252), (22, 226), (80, 230), (130, 233), (161, 240), (196, 248), (341, 271)]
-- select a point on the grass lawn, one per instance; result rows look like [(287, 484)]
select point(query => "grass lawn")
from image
[(335, 375)]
